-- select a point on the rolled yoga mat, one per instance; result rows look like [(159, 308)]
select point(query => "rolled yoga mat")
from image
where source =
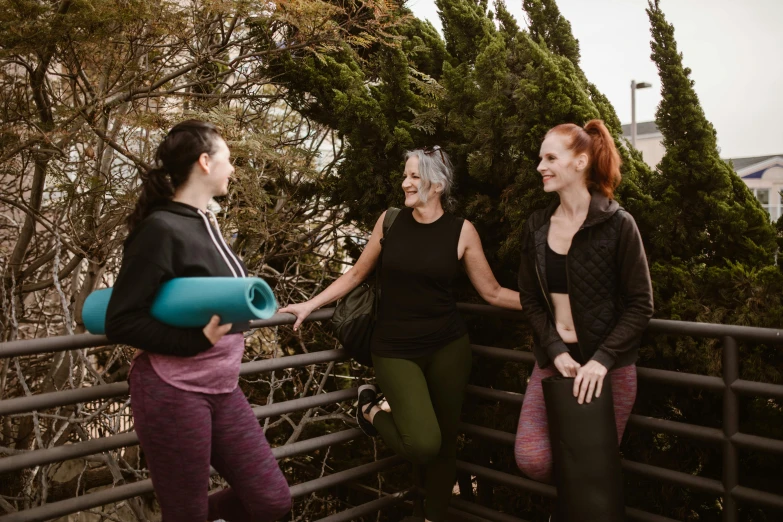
[(585, 452), (190, 302)]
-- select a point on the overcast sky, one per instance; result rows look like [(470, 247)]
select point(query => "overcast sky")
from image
[(735, 49)]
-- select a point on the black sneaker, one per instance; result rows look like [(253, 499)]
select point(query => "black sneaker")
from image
[(368, 397)]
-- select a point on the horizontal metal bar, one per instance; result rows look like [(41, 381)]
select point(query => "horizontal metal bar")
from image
[(292, 361), (502, 437), (65, 452), (495, 395), (757, 443), (504, 354), (369, 508), (45, 401), (762, 389), (324, 314), (63, 343), (94, 446), (692, 380), (482, 511), (455, 515), (646, 470), (316, 443), (507, 479), (713, 330), (660, 326), (677, 478), (60, 343), (76, 504), (142, 487), (638, 515), (543, 489), (489, 310), (342, 477), (757, 497), (322, 399), (693, 431)]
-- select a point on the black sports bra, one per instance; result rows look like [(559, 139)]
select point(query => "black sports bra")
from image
[(556, 276)]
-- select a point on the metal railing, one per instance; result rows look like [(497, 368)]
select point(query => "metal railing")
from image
[(729, 437)]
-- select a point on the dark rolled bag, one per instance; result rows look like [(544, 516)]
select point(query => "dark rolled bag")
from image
[(355, 314), (585, 452)]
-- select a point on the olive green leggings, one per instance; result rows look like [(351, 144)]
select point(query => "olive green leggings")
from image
[(425, 395)]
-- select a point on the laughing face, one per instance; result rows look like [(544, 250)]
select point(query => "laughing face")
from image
[(560, 169), (412, 184)]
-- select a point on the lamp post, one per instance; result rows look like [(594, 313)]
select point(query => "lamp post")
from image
[(634, 86)]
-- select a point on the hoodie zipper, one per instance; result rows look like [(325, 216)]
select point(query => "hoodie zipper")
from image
[(568, 284), (544, 292)]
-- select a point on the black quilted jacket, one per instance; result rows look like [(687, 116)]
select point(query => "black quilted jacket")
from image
[(608, 285)]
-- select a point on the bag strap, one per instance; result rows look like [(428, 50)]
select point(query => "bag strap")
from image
[(388, 221)]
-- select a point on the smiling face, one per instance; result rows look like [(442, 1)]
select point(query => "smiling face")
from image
[(412, 184), (218, 168), (560, 169)]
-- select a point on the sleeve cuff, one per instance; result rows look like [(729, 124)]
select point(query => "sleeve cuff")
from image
[(605, 358), (555, 349), (200, 342)]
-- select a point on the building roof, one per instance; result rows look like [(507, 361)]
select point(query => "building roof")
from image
[(741, 163), (642, 128)]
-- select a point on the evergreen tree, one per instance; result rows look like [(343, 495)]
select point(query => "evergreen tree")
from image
[(705, 212), (548, 25)]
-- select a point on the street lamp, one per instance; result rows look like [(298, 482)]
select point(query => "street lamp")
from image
[(634, 86)]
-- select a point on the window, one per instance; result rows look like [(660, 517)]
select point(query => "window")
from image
[(763, 195)]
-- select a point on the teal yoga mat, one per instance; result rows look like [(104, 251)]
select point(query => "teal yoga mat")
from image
[(190, 302)]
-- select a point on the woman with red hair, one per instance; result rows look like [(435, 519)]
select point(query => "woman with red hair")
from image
[(584, 285)]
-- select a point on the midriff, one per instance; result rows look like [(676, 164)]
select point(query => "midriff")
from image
[(564, 321)]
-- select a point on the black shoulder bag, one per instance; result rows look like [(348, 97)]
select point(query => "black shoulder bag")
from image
[(355, 314)]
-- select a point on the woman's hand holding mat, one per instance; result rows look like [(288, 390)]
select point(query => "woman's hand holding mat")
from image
[(214, 331), (589, 379)]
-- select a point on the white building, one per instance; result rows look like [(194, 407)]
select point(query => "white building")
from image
[(762, 174)]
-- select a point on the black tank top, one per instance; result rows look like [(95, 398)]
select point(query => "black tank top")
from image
[(556, 276), (418, 314)]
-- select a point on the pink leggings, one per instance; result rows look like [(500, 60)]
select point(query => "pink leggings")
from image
[(183, 432), (532, 448)]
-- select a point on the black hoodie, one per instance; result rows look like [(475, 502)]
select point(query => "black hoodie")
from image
[(175, 240)]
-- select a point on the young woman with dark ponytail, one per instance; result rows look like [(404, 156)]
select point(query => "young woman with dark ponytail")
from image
[(584, 285), (188, 410)]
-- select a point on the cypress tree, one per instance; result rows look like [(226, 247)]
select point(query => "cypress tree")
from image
[(705, 212)]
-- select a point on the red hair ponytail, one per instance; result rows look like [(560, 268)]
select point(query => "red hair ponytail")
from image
[(604, 160)]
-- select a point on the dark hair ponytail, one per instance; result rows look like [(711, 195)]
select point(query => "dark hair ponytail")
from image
[(595, 141), (174, 159)]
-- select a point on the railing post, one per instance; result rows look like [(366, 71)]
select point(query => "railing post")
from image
[(730, 428)]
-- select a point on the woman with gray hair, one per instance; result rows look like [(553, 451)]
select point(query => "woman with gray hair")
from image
[(420, 347)]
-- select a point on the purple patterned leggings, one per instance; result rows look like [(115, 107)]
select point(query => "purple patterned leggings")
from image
[(532, 448), (182, 432)]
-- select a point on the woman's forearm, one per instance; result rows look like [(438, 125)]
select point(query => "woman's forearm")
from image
[(507, 298)]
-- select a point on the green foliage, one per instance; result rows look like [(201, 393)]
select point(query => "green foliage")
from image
[(548, 25), (492, 92), (704, 212)]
